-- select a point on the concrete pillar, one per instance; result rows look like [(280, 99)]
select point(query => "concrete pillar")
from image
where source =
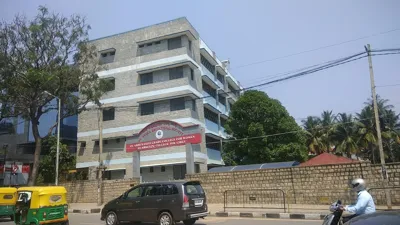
[(189, 159), (136, 164)]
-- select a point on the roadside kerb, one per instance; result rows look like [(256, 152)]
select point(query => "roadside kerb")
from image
[(295, 216)]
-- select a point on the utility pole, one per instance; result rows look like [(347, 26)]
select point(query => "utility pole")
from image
[(58, 139), (100, 167), (378, 130)]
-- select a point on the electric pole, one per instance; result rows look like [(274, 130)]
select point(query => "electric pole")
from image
[(100, 167), (378, 130)]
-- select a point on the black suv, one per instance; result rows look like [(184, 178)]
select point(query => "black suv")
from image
[(161, 202)]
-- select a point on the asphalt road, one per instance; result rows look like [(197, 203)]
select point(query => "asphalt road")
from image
[(93, 219)]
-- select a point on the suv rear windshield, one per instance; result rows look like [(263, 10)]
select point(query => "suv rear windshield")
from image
[(193, 188)]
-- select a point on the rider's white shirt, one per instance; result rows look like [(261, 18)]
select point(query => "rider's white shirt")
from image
[(365, 204)]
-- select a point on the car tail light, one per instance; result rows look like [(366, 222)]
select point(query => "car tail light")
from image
[(185, 201), (44, 214), (65, 209)]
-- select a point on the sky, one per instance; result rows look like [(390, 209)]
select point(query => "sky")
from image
[(246, 32)]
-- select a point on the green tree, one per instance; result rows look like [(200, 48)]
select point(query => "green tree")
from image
[(391, 134), (48, 54), (367, 130), (345, 135), (47, 166), (264, 132), (314, 132)]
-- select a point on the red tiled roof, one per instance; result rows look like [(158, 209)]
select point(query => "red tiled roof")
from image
[(327, 159)]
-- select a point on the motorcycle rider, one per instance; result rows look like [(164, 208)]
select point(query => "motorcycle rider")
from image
[(365, 203)]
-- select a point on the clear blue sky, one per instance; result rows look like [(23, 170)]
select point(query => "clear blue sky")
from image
[(252, 31)]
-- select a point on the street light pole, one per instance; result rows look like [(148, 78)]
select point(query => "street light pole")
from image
[(58, 134), (58, 139)]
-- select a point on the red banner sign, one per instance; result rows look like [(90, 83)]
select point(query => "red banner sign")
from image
[(163, 143), (25, 169), (1, 168)]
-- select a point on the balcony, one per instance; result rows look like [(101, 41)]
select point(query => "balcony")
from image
[(212, 127), (206, 72), (209, 100), (214, 157), (223, 109)]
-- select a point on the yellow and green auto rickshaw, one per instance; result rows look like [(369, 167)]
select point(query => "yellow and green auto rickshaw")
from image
[(41, 205), (8, 197)]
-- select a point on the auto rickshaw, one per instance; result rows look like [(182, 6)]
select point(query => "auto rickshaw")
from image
[(41, 205), (8, 197)]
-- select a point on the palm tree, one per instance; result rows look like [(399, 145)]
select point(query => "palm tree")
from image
[(313, 130), (345, 135), (327, 122), (367, 131), (391, 132)]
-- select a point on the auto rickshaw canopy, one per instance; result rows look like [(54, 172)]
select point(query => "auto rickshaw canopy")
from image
[(47, 196), (8, 196)]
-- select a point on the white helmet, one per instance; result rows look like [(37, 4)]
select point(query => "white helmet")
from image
[(358, 184)]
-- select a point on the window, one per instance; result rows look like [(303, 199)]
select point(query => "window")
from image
[(151, 169), (179, 172), (170, 189), (190, 45), (146, 78), (105, 142), (104, 55), (83, 144), (112, 53), (109, 84), (135, 193), (96, 143), (157, 42), (118, 140), (220, 77), (194, 105), (147, 109), (153, 190), (191, 74), (163, 169), (174, 43), (108, 114), (177, 104), (141, 46), (209, 90), (149, 44), (108, 56), (207, 64), (176, 73), (197, 168), (193, 188)]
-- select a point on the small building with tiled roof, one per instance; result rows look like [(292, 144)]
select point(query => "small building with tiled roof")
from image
[(327, 159)]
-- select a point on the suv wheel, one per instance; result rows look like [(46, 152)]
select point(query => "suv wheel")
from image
[(165, 219), (189, 222), (111, 218)]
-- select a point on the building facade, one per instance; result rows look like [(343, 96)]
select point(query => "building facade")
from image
[(160, 72), (17, 144)]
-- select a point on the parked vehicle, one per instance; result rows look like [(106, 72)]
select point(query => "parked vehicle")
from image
[(8, 197), (161, 202), (41, 205)]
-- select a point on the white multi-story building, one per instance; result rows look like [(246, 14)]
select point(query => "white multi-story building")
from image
[(160, 72)]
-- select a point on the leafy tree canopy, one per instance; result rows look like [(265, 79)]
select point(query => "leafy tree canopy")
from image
[(254, 115)]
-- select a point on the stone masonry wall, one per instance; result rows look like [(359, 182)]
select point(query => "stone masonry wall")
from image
[(85, 191), (301, 185)]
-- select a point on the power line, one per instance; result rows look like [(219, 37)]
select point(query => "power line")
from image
[(388, 85), (315, 49)]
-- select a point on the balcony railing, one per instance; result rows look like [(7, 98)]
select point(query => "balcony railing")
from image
[(214, 156), (209, 100), (206, 72), (211, 126)]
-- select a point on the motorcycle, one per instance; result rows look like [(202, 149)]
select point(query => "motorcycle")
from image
[(335, 218)]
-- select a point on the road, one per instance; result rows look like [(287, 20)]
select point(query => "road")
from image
[(93, 219)]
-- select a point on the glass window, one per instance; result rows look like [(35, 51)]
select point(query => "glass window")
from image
[(174, 43), (193, 189), (151, 169), (147, 109), (176, 73), (177, 104), (170, 189), (108, 114), (146, 78), (135, 193), (153, 190), (194, 105), (163, 169), (191, 74)]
